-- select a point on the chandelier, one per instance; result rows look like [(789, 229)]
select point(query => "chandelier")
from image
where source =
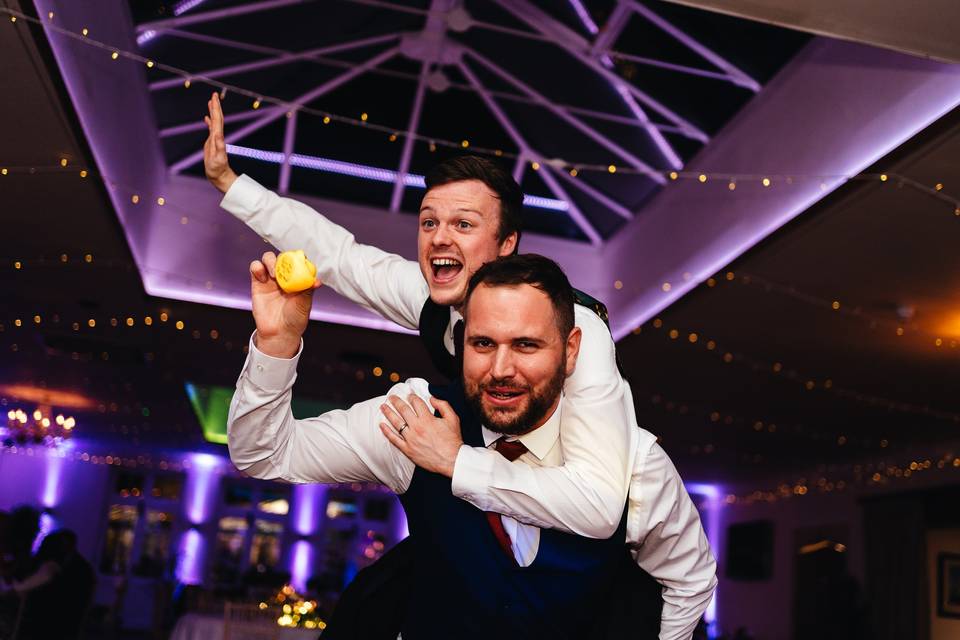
[(36, 428)]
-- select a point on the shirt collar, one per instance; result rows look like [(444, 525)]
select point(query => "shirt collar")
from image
[(540, 441)]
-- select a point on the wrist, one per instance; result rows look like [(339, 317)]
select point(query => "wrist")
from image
[(280, 346), (225, 181), (450, 464)]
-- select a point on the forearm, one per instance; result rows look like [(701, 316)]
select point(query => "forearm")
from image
[(384, 283), (267, 442), (668, 542)]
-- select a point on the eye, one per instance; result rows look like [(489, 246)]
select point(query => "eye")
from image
[(464, 224), (429, 223), (526, 345), (481, 343)]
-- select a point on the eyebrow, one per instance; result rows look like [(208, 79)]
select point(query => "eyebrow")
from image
[(457, 210), (538, 341)]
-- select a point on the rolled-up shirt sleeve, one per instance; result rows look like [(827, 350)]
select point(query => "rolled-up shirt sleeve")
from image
[(587, 494), (266, 441), (385, 283), (667, 540)]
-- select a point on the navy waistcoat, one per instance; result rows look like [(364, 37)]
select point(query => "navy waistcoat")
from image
[(464, 586)]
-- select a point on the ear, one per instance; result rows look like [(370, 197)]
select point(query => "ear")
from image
[(573, 349), (509, 245)]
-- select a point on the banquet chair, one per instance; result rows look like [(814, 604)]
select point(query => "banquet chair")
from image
[(242, 621)]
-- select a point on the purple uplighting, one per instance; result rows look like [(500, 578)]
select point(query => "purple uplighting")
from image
[(308, 502), (300, 564), (367, 173), (712, 527), (200, 492), (190, 558), (51, 480)]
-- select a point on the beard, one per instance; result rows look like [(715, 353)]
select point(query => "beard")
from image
[(503, 421)]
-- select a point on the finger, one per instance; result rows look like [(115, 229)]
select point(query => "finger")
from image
[(269, 260), (403, 409), (395, 439), (419, 406), (209, 124), (442, 406), (217, 112), (258, 271), (317, 283), (392, 416)]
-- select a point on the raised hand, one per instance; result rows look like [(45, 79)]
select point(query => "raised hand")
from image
[(215, 162), (281, 317)]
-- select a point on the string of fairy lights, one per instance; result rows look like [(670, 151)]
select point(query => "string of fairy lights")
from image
[(809, 383), (848, 476), (574, 168)]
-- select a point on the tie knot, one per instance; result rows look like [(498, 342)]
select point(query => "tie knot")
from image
[(510, 449)]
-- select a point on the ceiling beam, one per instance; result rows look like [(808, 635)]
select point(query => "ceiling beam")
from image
[(216, 14), (573, 121), (275, 113)]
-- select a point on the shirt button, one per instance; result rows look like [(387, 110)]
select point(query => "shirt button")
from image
[(259, 367)]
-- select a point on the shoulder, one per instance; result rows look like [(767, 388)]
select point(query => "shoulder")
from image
[(596, 338)]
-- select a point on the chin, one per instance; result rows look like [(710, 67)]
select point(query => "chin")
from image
[(447, 296)]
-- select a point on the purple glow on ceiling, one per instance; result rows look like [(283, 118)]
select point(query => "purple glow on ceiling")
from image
[(201, 487), (308, 502), (367, 173), (193, 294), (301, 561), (190, 558), (185, 5), (146, 37)]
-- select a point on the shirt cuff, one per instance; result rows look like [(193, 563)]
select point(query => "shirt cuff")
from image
[(472, 474), (269, 373), (242, 197)]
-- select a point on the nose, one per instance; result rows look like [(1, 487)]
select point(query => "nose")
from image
[(441, 236), (503, 365)]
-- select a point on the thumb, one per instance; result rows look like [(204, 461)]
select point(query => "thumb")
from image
[(442, 406)]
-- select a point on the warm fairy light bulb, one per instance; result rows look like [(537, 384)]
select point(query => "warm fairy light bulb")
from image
[(134, 198), (732, 185), (883, 177), (149, 64), (364, 116), (535, 166), (186, 83), (69, 423), (37, 415), (83, 173), (63, 162), (326, 119), (612, 168), (161, 201), (573, 173), (766, 182), (45, 422), (60, 420), (11, 415), (665, 286), (674, 175), (114, 55), (256, 104), (464, 143), (85, 31), (702, 177)]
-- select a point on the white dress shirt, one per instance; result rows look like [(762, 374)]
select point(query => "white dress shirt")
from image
[(600, 444)]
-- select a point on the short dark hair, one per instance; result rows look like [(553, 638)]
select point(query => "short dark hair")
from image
[(495, 177), (536, 271)]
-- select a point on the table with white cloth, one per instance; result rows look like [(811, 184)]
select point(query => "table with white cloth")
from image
[(196, 626)]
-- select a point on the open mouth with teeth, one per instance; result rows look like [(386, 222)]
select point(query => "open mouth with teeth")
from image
[(445, 269)]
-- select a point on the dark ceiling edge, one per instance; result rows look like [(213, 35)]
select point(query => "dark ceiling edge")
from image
[(47, 65), (842, 194)]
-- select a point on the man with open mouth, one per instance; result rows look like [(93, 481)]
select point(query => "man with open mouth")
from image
[(470, 215), (475, 574)]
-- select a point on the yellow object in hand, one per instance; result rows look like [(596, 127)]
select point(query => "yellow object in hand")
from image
[(294, 272)]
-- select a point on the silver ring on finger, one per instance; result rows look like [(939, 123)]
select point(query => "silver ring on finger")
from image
[(400, 430)]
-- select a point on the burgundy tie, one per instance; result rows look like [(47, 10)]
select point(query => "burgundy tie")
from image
[(511, 450)]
